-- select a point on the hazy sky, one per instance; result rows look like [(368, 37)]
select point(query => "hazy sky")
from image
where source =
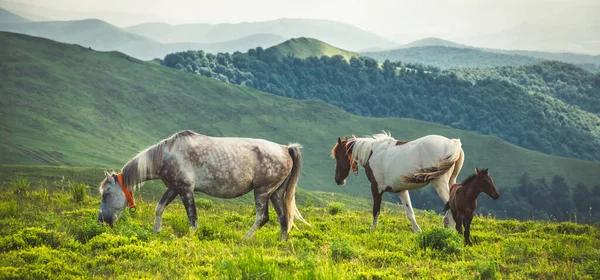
[(444, 18)]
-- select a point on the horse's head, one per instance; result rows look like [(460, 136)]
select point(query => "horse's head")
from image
[(342, 162), (113, 199), (486, 184)]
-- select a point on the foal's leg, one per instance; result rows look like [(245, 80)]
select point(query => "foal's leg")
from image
[(405, 197), (441, 187), (467, 224), (279, 204), (459, 223), (160, 208), (261, 203), (187, 197)]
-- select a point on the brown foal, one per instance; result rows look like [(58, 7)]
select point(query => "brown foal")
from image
[(463, 199)]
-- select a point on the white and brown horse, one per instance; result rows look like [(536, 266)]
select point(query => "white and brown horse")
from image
[(220, 167), (398, 166)]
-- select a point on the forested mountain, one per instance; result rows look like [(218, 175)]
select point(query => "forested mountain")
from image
[(451, 57), (490, 106), (342, 35), (563, 81), (446, 54)]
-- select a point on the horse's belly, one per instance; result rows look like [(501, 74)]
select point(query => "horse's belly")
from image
[(223, 182)]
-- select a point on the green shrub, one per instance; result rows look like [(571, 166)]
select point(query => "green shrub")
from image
[(342, 250), (20, 185), (440, 239), (8, 209), (334, 208), (487, 270), (78, 191), (204, 203), (180, 225)]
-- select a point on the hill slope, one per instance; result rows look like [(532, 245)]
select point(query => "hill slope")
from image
[(99, 109), (338, 34), (307, 47), (447, 54)]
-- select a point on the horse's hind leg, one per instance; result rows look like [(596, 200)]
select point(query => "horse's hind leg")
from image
[(443, 189), (279, 204), (405, 197), (160, 208), (467, 223), (261, 203)]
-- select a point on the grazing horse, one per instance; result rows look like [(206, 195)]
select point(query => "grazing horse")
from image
[(399, 166), (463, 199), (220, 167)]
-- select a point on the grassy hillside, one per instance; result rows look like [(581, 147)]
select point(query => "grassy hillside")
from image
[(99, 109), (338, 34), (46, 234), (307, 47)]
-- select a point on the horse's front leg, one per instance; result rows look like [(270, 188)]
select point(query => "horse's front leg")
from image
[(160, 208), (467, 223), (187, 197), (405, 198), (376, 202), (459, 223)]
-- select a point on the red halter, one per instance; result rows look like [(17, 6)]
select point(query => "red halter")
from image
[(127, 192)]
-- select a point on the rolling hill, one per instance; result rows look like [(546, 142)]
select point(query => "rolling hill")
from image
[(447, 54), (446, 57), (338, 34), (64, 104), (307, 47)]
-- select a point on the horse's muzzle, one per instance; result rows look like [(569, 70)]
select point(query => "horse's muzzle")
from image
[(496, 196), (340, 183), (106, 219)]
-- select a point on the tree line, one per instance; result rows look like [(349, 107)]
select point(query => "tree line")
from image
[(363, 87)]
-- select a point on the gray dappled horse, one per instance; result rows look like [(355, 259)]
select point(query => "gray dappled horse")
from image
[(220, 167)]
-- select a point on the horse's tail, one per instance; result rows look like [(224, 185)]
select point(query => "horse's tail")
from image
[(457, 167), (291, 211), (453, 155)]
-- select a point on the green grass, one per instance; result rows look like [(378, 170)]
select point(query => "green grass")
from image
[(307, 47), (67, 105), (60, 239)]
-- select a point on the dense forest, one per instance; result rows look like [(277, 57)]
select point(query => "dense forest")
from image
[(449, 57), (565, 82), (531, 198), (361, 86)]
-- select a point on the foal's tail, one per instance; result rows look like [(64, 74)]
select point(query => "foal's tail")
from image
[(291, 211), (454, 155)]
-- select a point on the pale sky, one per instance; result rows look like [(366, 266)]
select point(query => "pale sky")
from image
[(443, 18)]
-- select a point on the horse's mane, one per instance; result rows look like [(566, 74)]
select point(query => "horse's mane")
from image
[(469, 179), (362, 147), (136, 170)]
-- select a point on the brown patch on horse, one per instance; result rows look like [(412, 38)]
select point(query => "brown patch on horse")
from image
[(400, 143)]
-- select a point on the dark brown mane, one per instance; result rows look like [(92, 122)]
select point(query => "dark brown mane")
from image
[(469, 179)]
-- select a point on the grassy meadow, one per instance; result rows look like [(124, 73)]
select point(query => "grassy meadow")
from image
[(48, 230)]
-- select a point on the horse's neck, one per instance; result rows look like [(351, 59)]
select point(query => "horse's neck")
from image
[(471, 192), (140, 169)]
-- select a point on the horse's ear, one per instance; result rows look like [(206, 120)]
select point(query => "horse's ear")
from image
[(106, 173), (476, 171), (339, 141)]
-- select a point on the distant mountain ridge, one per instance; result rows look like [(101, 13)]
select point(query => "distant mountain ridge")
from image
[(446, 54), (341, 35), (103, 36)]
